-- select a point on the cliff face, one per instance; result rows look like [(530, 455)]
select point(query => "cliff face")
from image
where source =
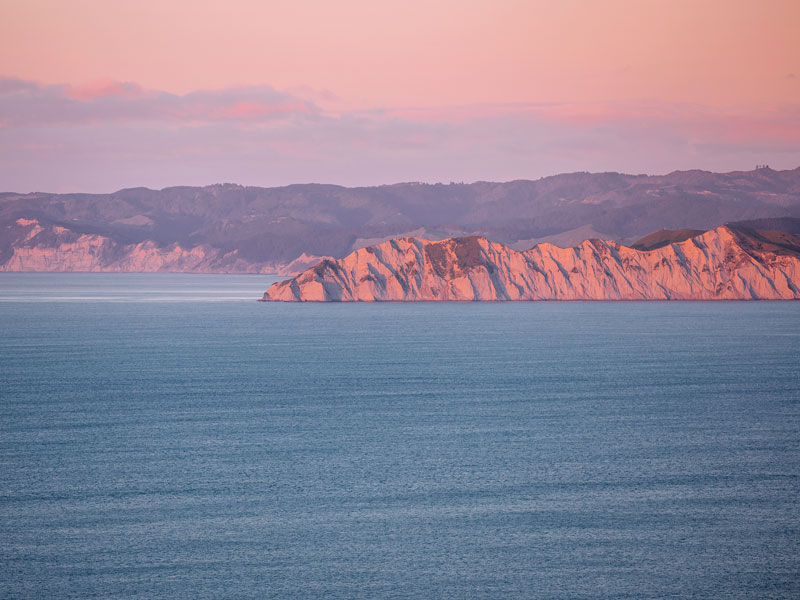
[(40, 247), (725, 263)]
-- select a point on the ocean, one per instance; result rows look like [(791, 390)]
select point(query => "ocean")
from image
[(167, 436)]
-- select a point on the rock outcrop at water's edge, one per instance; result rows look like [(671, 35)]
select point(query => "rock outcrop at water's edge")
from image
[(726, 263)]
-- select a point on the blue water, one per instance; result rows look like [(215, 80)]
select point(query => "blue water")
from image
[(166, 436)]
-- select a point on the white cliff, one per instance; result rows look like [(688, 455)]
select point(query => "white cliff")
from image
[(40, 247)]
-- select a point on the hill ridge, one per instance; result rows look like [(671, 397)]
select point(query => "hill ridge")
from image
[(252, 229)]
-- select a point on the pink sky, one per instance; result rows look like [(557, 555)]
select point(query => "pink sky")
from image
[(268, 92)]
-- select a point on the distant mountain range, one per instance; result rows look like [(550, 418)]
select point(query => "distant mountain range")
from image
[(230, 228), (726, 263)]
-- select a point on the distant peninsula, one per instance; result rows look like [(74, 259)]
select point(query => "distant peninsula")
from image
[(229, 228), (725, 263)]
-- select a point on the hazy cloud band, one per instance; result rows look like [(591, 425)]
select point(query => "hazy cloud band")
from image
[(107, 134)]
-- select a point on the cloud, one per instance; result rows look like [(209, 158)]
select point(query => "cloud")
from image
[(105, 88), (29, 104), (107, 135), (12, 85)]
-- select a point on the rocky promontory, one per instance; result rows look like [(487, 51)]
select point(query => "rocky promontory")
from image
[(726, 263)]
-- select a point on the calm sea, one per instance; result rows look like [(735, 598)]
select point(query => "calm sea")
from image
[(167, 436)]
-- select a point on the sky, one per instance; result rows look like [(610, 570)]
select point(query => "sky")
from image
[(99, 95)]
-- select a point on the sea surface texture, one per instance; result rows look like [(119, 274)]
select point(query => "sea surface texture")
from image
[(167, 436)]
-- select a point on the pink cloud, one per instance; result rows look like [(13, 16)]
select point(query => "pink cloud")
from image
[(105, 87), (570, 113), (29, 104), (737, 126), (51, 134), (765, 126)]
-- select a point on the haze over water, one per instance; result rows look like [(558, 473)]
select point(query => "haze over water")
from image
[(156, 445)]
